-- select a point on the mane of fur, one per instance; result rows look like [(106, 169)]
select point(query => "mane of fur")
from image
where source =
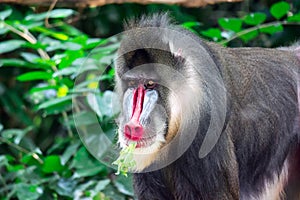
[(161, 20)]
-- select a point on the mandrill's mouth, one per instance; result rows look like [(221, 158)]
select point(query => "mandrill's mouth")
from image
[(145, 147), (142, 142)]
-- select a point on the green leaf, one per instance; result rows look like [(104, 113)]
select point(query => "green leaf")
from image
[(66, 46), (36, 75), (16, 134), (45, 63), (85, 190), (10, 45), (3, 160), (42, 88), (57, 13), (70, 57), (249, 36), (3, 29), (30, 57), (72, 46), (232, 24), (191, 24), (14, 62), (58, 108), (94, 101), (278, 10), (255, 18), (113, 193), (124, 185), (52, 164), (111, 72), (272, 29), (29, 159), (61, 13), (57, 35), (36, 17), (85, 118), (87, 172), (4, 14), (83, 160), (53, 102), (105, 105), (15, 168), (28, 192), (86, 165), (65, 187), (102, 51), (92, 43), (13, 133), (65, 71), (37, 45), (72, 31), (81, 39), (28, 25), (69, 152), (101, 185), (212, 33), (294, 18), (83, 187)]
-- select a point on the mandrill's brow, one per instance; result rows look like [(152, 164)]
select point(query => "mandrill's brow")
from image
[(140, 76)]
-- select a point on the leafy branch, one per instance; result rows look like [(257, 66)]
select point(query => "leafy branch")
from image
[(251, 25), (21, 149), (25, 33), (266, 26)]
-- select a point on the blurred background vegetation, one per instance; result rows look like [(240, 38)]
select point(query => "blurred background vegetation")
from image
[(41, 52)]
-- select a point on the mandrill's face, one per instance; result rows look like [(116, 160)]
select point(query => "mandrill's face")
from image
[(143, 119)]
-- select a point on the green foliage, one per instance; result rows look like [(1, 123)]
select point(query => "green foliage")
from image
[(252, 25), (10, 45), (271, 29), (255, 18), (52, 164), (278, 10), (213, 33), (294, 18), (57, 13), (231, 24), (125, 162), (37, 75), (48, 61)]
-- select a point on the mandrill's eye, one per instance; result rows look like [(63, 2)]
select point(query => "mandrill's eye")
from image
[(131, 83), (150, 85)]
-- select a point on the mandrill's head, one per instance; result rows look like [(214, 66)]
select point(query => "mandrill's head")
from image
[(155, 84)]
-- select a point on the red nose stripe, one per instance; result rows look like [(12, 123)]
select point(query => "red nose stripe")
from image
[(133, 129), (138, 100)]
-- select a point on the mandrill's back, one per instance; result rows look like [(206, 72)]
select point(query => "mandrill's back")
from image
[(264, 88)]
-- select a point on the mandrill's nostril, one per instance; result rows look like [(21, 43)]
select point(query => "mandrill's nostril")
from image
[(127, 132), (137, 129), (133, 131)]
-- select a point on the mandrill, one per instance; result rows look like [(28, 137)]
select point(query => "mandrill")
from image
[(209, 122)]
